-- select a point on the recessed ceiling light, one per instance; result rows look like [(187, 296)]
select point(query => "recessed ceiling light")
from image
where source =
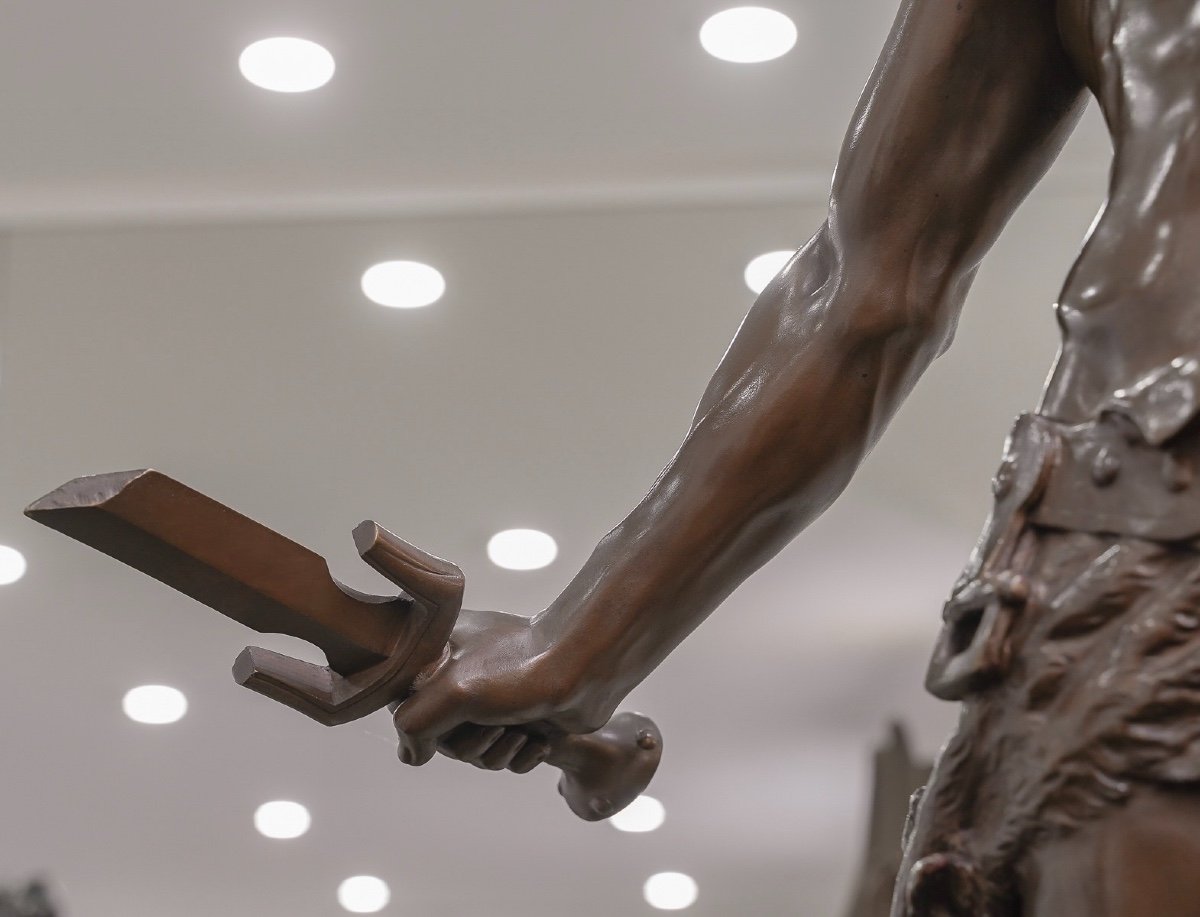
[(364, 894), (670, 891), (765, 268), (282, 820), (287, 64), (522, 549), (12, 565), (403, 284), (643, 814), (154, 704), (748, 35)]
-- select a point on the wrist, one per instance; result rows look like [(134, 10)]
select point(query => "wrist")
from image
[(571, 661)]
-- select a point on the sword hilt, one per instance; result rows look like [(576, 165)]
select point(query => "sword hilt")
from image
[(602, 772), (433, 592)]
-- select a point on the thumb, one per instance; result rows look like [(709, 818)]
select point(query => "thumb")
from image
[(421, 719)]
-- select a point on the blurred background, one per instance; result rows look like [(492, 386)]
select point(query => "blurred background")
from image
[(182, 256)]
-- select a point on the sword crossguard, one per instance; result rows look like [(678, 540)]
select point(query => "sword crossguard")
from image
[(425, 616)]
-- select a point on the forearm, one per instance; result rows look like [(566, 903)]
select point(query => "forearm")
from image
[(813, 376), (967, 107)]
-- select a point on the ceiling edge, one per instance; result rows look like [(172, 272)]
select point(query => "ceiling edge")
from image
[(804, 188)]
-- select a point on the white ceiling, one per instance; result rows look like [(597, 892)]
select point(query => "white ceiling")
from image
[(134, 109), (182, 259)]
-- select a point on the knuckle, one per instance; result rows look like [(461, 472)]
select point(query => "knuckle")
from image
[(458, 693)]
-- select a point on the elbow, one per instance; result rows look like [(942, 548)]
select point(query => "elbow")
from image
[(877, 313), (872, 297)]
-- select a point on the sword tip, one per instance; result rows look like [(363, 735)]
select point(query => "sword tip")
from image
[(80, 493), (366, 536)]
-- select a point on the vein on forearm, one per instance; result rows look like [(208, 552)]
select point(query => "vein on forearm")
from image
[(803, 393)]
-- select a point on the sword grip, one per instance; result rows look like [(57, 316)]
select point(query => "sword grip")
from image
[(606, 770)]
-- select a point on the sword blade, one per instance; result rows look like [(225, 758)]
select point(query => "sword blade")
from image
[(225, 560)]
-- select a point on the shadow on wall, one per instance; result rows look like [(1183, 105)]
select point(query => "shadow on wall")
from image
[(897, 777), (31, 901)]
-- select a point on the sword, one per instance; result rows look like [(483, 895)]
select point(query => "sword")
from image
[(376, 646)]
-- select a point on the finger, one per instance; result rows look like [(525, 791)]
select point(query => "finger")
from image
[(447, 747), (501, 754), (420, 720), (530, 756), (469, 742)]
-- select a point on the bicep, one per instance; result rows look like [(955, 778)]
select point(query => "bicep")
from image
[(969, 104)]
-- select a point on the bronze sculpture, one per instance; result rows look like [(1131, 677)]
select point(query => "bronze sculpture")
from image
[(1069, 637)]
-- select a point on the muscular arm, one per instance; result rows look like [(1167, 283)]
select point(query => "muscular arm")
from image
[(968, 105)]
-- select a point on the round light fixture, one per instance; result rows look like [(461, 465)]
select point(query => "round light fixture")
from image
[(765, 268), (670, 891), (364, 894), (522, 549), (748, 35), (12, 565), (282, 820), (287, 64), (643, 814), (156, 705), (403, 284)]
